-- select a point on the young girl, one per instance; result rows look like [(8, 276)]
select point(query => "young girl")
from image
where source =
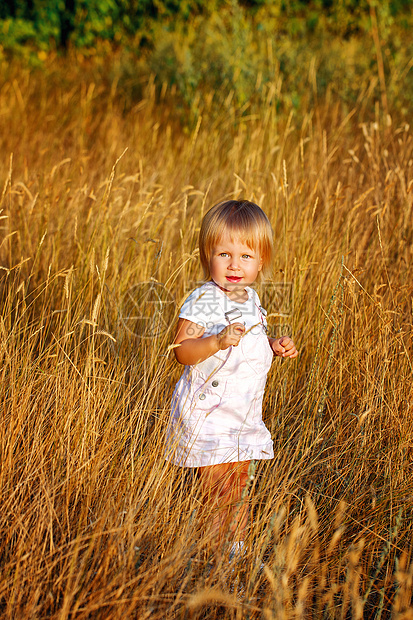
[(216, 424)]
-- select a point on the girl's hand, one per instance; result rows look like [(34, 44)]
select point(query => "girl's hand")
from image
[(284, 347), (230, 335)]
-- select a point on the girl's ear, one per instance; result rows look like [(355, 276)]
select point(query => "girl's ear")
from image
[(260, 264)]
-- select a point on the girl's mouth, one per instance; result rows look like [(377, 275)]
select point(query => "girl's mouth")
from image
[(233, 279)]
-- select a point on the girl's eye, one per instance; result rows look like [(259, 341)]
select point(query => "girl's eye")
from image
[(224, 254), (246, 256)]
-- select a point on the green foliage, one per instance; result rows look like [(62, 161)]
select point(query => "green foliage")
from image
[(92, 20), (235, 51), (239, 58), (217, 53), (52, 22)]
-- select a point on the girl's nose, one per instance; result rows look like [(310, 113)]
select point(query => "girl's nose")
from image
[(234, 264)]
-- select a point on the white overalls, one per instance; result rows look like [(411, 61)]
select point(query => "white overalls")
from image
[(217, 404)]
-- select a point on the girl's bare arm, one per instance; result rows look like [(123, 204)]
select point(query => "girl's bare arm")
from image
[(194, 349)]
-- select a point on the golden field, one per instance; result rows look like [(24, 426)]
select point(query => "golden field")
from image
[(101, 206)]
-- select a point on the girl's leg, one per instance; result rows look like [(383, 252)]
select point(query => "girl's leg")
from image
[(222, 489)]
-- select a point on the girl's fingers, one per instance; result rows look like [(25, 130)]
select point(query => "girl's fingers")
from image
[(285, 347), (238, 327), (278, 346), (287, 343), (234, 328), (231, 335)]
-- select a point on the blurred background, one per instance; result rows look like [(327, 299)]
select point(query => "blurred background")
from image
[(121, 123), (235, 46)]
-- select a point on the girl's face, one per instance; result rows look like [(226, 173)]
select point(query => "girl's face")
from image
[(234, 265)]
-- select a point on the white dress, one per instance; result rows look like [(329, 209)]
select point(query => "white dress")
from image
[(216, 412)]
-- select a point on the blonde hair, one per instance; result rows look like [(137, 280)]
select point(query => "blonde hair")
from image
[(240, 218)]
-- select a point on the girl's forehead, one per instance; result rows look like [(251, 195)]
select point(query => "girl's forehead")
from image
[(234, 239)]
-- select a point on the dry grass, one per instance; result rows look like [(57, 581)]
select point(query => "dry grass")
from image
[(94, 524)]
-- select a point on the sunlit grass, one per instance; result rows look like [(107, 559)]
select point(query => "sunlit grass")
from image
[(94, 524)]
